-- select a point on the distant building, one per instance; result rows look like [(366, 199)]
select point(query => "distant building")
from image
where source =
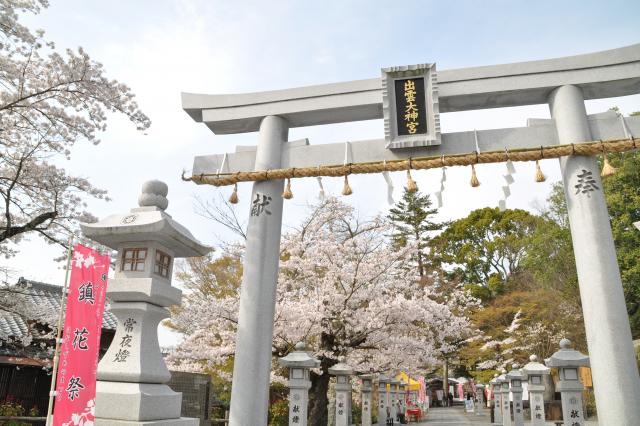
[(25, 370)]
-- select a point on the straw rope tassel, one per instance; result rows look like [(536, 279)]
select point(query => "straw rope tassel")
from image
[(346, 189), (287, 194), (474, 178), (607, 168), (540, 177), (412, 186), (233, 199)]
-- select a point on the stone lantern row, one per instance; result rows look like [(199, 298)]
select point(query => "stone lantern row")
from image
[(567, 361), (300, 362)]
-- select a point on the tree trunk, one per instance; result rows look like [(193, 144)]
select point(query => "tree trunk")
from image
[(445, 381), (318, 398)]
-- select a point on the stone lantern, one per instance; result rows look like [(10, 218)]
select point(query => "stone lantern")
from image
[(132, 375), (496, 394), (395, 389), (480, 398), (383, 398), (516, 377), (504, 398), (535, 374), (367, 387), (299, 363), (342, 372), (568, 361)]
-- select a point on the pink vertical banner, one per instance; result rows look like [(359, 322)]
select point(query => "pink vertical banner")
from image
[(77, 368), (422, 393), (460, 389)]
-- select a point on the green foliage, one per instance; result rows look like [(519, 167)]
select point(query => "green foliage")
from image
[(483, 376), (550, 256), (356, 413), (528, 305), (544, 316), (279, 413), (206, 275), (622, 192), (552, 261), (220, 382), (219, 277), (11, 408), (485, 248), (411, 224)]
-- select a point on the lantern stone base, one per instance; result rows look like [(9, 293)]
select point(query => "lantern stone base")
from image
[(136, 402), (182, 421)]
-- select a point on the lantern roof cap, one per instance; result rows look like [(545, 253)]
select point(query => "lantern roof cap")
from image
[(567, 357), (384, 379), (148, 222), (299, 358), (515, 373), (534, 367), (341, 369)]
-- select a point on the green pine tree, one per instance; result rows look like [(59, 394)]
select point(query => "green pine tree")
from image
[(412, 223)]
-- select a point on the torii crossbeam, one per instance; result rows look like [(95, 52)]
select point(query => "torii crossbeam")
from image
[(562, 83)]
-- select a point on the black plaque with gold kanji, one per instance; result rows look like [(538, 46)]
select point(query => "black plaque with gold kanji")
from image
[(411, 110)]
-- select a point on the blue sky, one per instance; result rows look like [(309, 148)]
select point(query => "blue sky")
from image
[(162, 47)]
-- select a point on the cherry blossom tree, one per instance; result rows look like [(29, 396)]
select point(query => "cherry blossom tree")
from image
[(48, 101), (345, 290)]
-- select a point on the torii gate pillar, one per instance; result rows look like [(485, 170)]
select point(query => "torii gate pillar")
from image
[(613, 362), (252, 365)]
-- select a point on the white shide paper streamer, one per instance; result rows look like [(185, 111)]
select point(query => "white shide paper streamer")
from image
[(506, 191)]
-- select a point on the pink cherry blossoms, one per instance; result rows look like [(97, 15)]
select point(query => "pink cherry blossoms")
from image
[(346, 291)]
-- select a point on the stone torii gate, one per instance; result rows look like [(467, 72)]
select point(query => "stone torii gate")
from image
[(563, 83)]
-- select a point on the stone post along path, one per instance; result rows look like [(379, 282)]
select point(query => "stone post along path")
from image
[(497, 399), (506, 402), (299, 363), (534, 372), (480, 396), (343, 374), (515, 377), (366, 405), (383, 397), (568, 361)]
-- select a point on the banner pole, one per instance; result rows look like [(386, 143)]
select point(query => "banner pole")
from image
[(61, 315)]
